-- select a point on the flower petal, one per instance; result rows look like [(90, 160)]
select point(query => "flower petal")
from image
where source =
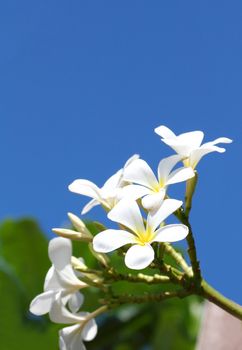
[(109, 240), (75, 302), (51, 280), (207, 148), (218, 140), (85, 187), (166, 165), (180, 175), (130, 160), (89, 331), (71, 338), (68, 280), (60, 251), (185, 143), (153, 201), (181, 149), (168, 206), (112, 182), (139, 172), (135, 192), (59, 313), (41, 304), (89, 206), (171, 233), (139, 257), (191, 138), (164, 132), (127, 213)]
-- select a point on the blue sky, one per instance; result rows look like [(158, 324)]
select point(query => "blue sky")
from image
[(84, 83)]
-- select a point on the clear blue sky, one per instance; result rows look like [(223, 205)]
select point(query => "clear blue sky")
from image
[(84, 83)]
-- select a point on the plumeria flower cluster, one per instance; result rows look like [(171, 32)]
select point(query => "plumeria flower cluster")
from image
[(61, 288), (137, 200)]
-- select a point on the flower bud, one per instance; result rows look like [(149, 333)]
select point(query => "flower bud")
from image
[(71, 234), (79, 224)]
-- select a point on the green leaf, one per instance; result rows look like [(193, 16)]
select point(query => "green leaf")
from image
[(23, 265)]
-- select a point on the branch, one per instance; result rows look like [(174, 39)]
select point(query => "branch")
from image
[(138, 299), (140, 277), (191, 246), (215, 297)]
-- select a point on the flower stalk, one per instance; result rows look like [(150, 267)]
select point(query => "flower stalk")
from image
[(211, 294)]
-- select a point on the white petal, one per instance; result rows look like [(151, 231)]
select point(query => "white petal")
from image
[(171, 233), (109, 240), (134, 192), (71, 338), (85, 187), (89, 331), (166, 165), (59, 313), (89, 206), (183, 150), (164, 132), (197, 155), (139, 172), (112, 182), (75, 302), (184, 144), (139, 257), (180, 175), (192, 138), (218, 140), (153, 201), (41, 304), (60, 251), (51, 280), (68, 280), (206, 148), (62, 344), (130, 160), (168, 206), (127, 213)]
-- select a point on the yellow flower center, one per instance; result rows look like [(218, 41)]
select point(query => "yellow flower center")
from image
[(158, 186), (145, 236)]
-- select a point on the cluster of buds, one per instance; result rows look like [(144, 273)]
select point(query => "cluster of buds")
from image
[(125, 196)]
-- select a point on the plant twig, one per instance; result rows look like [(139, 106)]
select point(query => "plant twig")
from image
[(139, 278), (138, 299), (209, 293)]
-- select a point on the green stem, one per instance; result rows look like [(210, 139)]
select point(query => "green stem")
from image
[(139, 278), (191, 245), (215, 297), (190, 189), (138, 299)]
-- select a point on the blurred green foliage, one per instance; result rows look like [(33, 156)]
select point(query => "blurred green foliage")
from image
[(171, 325)]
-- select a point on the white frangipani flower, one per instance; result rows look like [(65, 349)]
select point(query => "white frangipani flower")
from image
[(189, 145), (153, 189), (60, 279), (108, 195), (141, 253), (84, 326)]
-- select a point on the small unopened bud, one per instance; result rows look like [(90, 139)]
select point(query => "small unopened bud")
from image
[(101, 257), (78, 264), (79, 224), (71, 234), (88, 275)]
